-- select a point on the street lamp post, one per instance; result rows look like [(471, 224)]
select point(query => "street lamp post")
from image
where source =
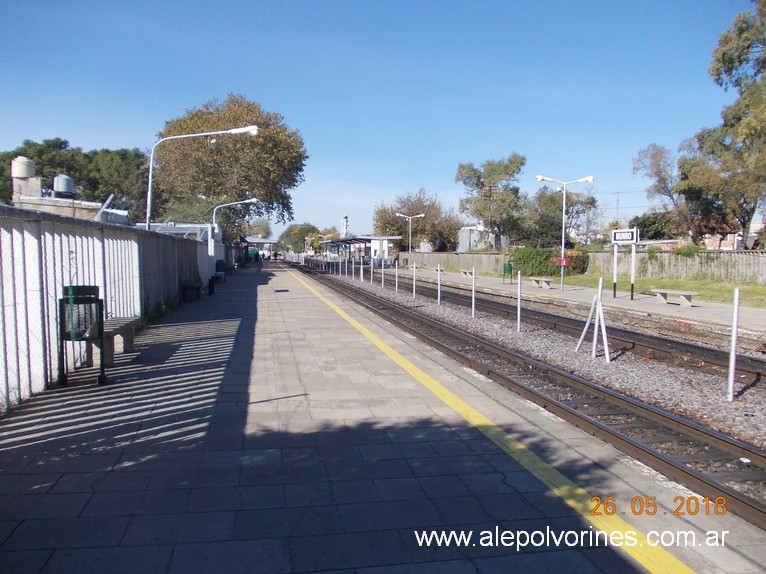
[(409, 218), (211, 235), (588, 179), (252, 130)]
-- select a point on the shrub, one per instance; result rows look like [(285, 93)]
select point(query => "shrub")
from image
[(531, 261)]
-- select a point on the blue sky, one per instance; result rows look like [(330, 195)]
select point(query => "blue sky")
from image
[(390, 95)]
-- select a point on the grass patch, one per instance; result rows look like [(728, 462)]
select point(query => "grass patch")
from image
[(750, 294)]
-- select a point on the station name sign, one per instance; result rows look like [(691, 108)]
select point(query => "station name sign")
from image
[(625, 236)]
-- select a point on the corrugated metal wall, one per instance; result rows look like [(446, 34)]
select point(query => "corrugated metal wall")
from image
[(137, 272)]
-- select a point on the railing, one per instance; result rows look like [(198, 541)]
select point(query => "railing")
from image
[(137, 272)]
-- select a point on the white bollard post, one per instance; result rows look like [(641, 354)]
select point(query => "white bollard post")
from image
[(382, 272), (733, 349), (518, 304), (439, 284), (396, 277), (414, 270), (473, 292)]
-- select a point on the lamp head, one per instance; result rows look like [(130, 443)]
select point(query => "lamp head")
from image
[(588, 179), (421, 215), (540, 178), (400, 215), (252, 130)]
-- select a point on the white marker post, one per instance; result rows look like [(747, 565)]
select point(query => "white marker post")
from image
[(396, 276), (439, 284), (518, 304), (733, 348), (473, 292), (414, 271)]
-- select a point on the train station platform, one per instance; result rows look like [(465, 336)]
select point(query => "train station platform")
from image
[(275, 427)]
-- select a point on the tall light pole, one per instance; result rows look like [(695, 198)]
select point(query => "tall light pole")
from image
[(211, 235), (409, 218), (588, 179), (252, 130)]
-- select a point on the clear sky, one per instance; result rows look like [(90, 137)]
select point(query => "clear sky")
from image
[(389, 95)]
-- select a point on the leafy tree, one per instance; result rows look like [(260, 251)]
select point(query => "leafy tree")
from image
[(491, 194), (653, 226), (293, 238), (121, 173), (229, 168), (439, 226)]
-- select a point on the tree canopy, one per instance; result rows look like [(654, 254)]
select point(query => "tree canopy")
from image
[(229, 168), (440, 226), (492, 195)]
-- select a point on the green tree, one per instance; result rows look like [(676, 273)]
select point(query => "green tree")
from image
[(119, 173), (440, 226), (293, 238), (492, 196), (229, 168), (653, 226)]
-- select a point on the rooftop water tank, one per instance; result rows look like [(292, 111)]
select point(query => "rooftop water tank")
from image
[(63, 186), (22, 167)]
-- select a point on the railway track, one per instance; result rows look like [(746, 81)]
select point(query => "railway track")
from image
[(677, 352), (715, 465)]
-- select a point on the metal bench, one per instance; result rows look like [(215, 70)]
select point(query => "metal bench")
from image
[(191, 291), (439, 269), (122, 329), (466, 272), (220, 270), (544, 282), (685, 296)]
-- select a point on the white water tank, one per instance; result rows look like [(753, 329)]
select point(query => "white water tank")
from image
[(63, 186), (22, 167)]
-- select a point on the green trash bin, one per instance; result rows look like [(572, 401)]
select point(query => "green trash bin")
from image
[(81, 318), (508, 270)]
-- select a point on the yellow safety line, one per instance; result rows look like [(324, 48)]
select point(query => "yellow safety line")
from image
[(654, 558)]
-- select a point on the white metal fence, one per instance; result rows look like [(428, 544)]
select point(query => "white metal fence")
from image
[(137, 273)]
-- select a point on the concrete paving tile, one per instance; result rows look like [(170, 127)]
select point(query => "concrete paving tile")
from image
[(127, 503), (349, 550), (24, 483), (462, 509), (397, 450), (178, 528), (236, 498), (486, 483), (439, 486), (570, 561), (25, 561), (390, 514), (194, 477), (232, 557), (351, 491), (441, 566), (308, 494), (370, 469), (292, 521), (449, 465), (509, 507), (53, 533), (125, 560), (282, 474), (18, 507), (399, 488)]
